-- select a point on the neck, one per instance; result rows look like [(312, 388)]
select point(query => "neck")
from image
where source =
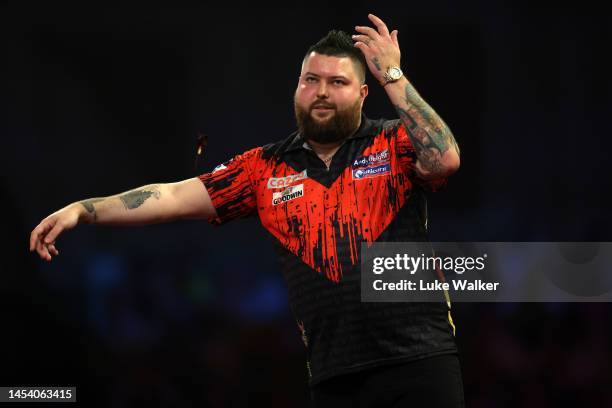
[(324, 149)]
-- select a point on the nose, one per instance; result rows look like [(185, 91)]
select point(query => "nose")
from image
[(322, 90)]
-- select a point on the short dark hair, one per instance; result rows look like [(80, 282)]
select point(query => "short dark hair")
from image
[(337, 43)]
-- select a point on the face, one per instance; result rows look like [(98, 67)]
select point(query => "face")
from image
[(328, 98)]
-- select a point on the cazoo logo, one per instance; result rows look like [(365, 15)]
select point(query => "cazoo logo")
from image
[(280, 182)]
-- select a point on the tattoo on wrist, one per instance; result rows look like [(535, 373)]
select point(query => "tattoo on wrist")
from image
[(135, 198), (89, 206)]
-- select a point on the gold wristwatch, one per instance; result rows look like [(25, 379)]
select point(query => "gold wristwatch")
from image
[(391, 75)]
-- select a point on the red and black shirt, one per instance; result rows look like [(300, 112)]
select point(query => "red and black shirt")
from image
[(318, 219)]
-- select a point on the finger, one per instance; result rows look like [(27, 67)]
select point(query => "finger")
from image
[(363, 47), (43, 252), (362, 38), (369, 31), (50, 251), (33, 239), (37, 233), (53, 250), (380, 25), (394, 37), (52, 235)]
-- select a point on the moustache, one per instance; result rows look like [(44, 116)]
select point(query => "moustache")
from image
[(321, 105)]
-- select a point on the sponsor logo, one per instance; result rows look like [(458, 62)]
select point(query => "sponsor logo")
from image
[(372, 159), (281, 182), (371, 171), (288, 194)]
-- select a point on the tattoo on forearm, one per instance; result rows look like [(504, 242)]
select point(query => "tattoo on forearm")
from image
[(376, 63), (429, 134), (135, 198), (89, 206)]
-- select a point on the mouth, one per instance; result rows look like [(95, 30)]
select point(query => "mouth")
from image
[(322, 108)]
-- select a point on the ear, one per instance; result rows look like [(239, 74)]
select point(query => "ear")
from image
[(363, 92)]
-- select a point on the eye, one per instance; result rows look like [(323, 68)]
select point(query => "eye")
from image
[(338, 82), (310, 79)]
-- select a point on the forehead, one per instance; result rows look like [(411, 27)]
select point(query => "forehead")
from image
[(328, 65)]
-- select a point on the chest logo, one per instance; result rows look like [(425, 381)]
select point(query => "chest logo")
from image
[(372, 165), (373, 159), (370, 172), (288, 194), (282, 182)]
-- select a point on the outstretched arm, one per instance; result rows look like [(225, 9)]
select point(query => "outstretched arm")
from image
[(436, 148), (149, 204)]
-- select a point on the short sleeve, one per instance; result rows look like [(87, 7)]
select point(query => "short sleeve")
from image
[(230, 188), (408, 158)]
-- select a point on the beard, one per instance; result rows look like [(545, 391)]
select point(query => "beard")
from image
[(342, 123)]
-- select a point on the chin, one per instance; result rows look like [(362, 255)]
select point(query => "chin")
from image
[(321, 119)]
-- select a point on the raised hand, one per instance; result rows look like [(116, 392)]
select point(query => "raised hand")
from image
[(380, 48)]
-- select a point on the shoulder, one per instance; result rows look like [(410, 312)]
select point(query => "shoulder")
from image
[(391, 128), (383, 126), (391, 124), (276, 149), (262, 155), (268, 150)]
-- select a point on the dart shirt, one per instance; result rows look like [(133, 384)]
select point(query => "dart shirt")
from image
[(318, 218)]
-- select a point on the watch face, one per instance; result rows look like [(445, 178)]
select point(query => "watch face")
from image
[(395, 73)]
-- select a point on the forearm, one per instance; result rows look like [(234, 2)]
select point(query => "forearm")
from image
[(436, 149), (148, 204)]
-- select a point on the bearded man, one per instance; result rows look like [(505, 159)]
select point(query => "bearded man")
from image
[(340, 180)]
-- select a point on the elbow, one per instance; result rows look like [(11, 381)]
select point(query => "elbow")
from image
[(451, 163), (442, 168), (448, 166)]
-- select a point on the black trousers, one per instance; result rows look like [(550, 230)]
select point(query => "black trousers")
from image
[(433, 382)]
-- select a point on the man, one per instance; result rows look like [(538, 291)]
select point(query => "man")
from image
[(340, 180)]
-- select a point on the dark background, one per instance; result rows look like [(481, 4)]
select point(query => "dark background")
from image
[(98, 100)]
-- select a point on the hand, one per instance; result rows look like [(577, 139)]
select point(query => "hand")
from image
[(380, 48), (42, 238)]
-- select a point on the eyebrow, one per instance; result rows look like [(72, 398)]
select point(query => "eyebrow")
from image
[(333, 77)]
